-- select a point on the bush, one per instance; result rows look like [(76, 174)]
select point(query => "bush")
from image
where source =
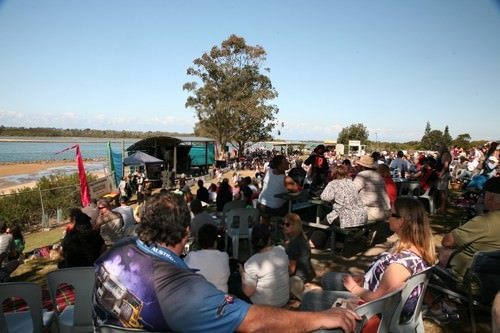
[(24, 206)]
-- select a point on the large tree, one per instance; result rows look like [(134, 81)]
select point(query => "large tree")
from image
[(433, 140), (462, 140), (232, 99), (353, 132)]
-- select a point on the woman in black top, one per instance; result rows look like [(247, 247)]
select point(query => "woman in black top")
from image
[(299, 254), (82, 245)]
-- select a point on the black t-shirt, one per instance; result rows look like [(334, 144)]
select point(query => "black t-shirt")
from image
[(298, 250)]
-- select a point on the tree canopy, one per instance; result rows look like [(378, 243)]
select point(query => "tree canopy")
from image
[(232, 101), (353, 132)]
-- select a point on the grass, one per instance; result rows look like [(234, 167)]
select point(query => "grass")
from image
[(39, 239)]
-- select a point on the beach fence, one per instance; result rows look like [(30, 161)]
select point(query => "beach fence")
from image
[(46, 205)]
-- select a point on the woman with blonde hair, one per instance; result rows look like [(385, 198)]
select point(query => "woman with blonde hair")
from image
[(299, 254), (411, 254)]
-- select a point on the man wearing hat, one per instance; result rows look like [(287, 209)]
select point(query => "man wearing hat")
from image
[(371, 187), (482, 233)]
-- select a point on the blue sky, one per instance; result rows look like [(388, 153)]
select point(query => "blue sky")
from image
[(391, 65)]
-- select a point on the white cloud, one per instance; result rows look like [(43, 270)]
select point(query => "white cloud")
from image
[(9, 116)]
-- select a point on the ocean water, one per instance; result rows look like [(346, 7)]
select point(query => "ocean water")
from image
[(45, 149)]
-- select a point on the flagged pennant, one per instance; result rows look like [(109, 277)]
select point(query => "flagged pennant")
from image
[(84, 187)]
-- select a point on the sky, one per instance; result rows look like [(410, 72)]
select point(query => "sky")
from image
[(391, 65)]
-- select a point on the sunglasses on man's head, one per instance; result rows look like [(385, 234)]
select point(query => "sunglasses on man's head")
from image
[(101, 207)]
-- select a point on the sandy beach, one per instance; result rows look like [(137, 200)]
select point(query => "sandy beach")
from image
[(11, 174)]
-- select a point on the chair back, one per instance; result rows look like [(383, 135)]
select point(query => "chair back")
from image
[(414, 323), (31, 293), (242, 219), (116, 329), (383, 306), (82, 280), (485, 271), (234, 204)]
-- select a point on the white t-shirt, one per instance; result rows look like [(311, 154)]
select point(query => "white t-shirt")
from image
[(273, 184), (212, 264), (268, 271)]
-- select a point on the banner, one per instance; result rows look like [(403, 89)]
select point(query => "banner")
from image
[(115, 164), (84, 188)]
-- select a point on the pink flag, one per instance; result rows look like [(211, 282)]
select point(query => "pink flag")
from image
[(84, 187)]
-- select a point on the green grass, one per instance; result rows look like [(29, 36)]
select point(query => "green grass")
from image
[(42, 238)]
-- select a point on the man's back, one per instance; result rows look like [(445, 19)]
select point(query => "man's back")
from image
[(160, 296), (111, 227)]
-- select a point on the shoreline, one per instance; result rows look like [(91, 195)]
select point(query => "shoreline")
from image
[(17, 175)]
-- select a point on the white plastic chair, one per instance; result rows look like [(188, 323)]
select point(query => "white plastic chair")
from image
[(429, 198), (238, 226), (234, 204), (384, 306), (35, 320), (78, 317), (106, 328), (415, 323)]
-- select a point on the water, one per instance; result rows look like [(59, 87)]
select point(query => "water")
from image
[(31, 149), (45, 149)]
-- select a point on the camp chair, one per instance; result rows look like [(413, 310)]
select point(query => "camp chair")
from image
[(480, 283), (78, 317), (239, 224), (35, 320), (414, 323)]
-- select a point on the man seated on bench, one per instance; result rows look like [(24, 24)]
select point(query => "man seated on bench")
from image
[(482, 233)]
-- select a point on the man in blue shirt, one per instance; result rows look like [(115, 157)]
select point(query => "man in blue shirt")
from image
[(143, 283)]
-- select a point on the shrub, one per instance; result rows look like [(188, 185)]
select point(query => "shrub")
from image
[(24, 206)]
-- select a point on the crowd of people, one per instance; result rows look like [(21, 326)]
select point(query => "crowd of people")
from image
[(155, 237)]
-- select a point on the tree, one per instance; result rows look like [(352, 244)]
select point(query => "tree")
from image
[(463, 141), (231, 103), (427, 128), (433, 140), (447, 137), (353, 132)]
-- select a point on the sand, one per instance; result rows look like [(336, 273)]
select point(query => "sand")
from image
[(11, 169), (14, 169)]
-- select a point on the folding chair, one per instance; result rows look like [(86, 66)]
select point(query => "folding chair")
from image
[(483, 273), (78, 317), (35, 320)]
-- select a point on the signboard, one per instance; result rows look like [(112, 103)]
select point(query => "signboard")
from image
[(339, 148), (354, 143), (100, 187)]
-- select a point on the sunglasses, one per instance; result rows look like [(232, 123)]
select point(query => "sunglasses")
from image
[(395, 215), (101, 207), (286, 224)]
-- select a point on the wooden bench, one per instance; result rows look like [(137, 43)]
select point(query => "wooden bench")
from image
[(350, 234)]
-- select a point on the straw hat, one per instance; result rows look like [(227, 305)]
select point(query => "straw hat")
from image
[(366, 161)]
